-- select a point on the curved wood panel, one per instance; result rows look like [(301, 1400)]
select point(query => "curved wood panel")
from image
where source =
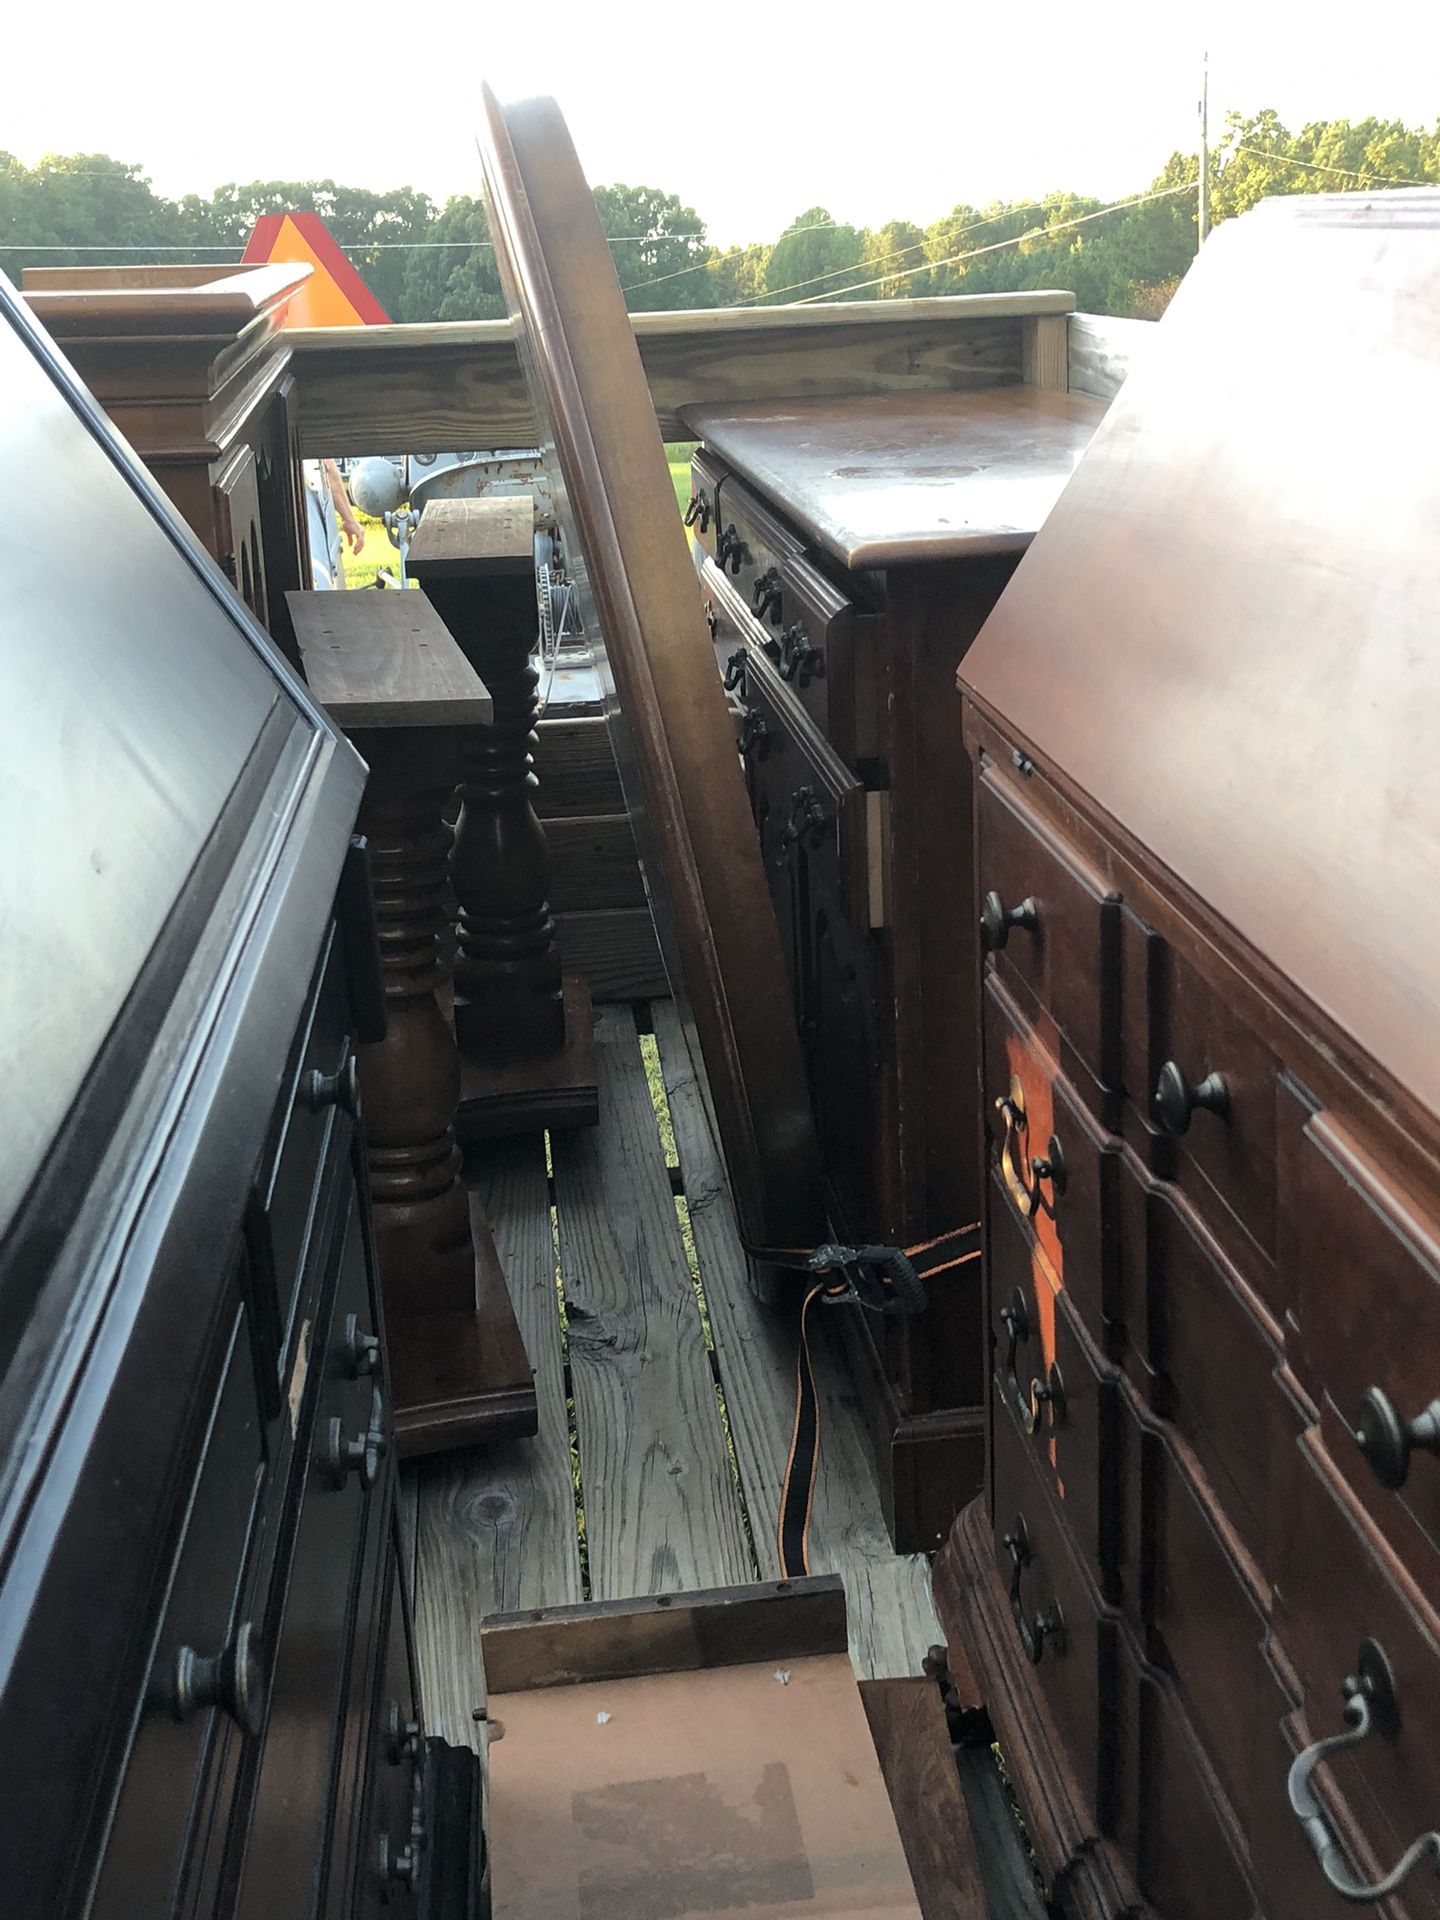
[(674, 739)]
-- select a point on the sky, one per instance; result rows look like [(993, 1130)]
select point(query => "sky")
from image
[(750, 113)]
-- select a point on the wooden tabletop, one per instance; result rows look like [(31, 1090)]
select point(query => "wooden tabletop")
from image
[(384, 658), (887, 479), (474, 539)]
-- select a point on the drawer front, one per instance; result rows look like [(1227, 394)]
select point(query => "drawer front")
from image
[(1214, 1370), (752, 547), (287, 1840), (1059, 1394), (1339, 1589), (317, 1096), (1070, 1200), (395, 1825), (208, 1667), (1210, 1093), (1364, 1264), (1057, 1622), (1051, 928), (702, 509), (817, 654)]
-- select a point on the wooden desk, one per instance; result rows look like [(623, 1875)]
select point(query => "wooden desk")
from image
[(849, 551), (385, 669), (526, 1036)]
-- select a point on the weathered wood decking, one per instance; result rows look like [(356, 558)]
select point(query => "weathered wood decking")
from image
[(669, 1441)]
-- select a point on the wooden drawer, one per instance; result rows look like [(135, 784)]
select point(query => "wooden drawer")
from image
[(1057, 1390), (1051, 927), (752, 547), (1058, 1624), (317, 1095), (823, 652), (1075, 1216), (395, 1824), (347, 1454), (207, 1664), (1212, 1368), (1221, 1154), (1339, 1588), (702, 508), (1178, 1832), (1363, 1263)]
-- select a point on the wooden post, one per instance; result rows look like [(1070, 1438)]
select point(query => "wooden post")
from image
[(385, 668), (526, 1036)]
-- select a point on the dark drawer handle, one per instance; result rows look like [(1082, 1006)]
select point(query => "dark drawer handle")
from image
[(362, 1350), (1370, 1703), (731, 550), (735, 671), (799, 661), (807, 820), (1015, 1318), (1047, 1625), (1387, 1439), (996, 920), (402, 1736), (1045, 1169), (361, 1455), (233, 1680), (1049, 1392), (698, 512), (710, 620), (754, 735), (1176, 1098), (393, 1866), (766, 595), (339, 1089)]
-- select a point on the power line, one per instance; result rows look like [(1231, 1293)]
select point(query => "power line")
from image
[(1314, 166)]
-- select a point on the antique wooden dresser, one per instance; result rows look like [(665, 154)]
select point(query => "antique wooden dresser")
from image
[(207, 1700), (849, 551), (1200, 1594)]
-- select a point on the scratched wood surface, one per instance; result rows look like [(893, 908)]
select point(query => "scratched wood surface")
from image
[(385, 660)]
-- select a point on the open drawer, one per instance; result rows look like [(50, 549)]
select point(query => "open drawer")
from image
[(707, 1752)]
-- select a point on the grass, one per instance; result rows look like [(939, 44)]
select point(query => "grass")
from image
[(678, 453)]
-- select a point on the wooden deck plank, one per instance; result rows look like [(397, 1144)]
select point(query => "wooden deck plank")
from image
[(892, 1617), (661, 1509), (497, 1524)]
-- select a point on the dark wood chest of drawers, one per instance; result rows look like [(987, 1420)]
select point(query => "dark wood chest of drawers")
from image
[(207, 1697), (1210, 1531), (849, 552)]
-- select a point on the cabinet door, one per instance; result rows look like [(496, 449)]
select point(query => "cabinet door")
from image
[(238, 530)]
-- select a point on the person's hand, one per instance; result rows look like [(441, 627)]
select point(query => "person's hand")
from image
[(353, 532)]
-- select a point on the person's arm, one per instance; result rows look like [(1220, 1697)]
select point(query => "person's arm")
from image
[(349, 525)]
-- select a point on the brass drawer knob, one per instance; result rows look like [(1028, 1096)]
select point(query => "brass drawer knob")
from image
[(1177, 1098), (1387, 1439), (997, 920), (233, 1680), (1370, 1705)]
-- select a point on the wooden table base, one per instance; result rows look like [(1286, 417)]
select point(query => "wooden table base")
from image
[(555, 1091)]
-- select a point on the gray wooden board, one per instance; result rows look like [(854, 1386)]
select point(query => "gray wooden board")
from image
[(662, 1513), (385, 660), (468, 539), (892, 1617), (614, 950), (497, 1524)]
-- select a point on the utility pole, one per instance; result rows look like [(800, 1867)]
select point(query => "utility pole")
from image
[(1204, 221)]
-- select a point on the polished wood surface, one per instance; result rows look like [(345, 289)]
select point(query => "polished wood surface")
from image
[(409, 389), (889, 480), (709, 888), (384, 660), (1275, 676)]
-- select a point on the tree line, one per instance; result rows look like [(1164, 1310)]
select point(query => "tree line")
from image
[(424, 262)]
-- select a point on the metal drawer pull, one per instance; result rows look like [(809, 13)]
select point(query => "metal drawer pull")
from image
[(735, 671), (799, 661), (339, 1089), (754, 734), (710, 620), (730, 550), (402, 1736), (392, 1866), (362, 1350), (232, 1680), (996, 920), (1370, 1702), (807, 820), (1176, 1099), (1049, 1625), (766, 595), (698, 512), (1049, 1392), (1387, 1439), (1015, 1318), (361, 1455)]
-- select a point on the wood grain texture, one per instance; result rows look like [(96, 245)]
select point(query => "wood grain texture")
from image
[(428, 389), (1043, 352), (475, 539), (661, 1509), (497, 1525), (593, 862), (892, 1620), (1100, 349), (907, 1724), (614, 951), (385, 660), (575, 765)]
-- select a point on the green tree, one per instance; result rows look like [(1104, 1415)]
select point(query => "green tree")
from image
[(735, 277), (813, 256), (374, 229), (454, 275), (658, 245), (898, 252)]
